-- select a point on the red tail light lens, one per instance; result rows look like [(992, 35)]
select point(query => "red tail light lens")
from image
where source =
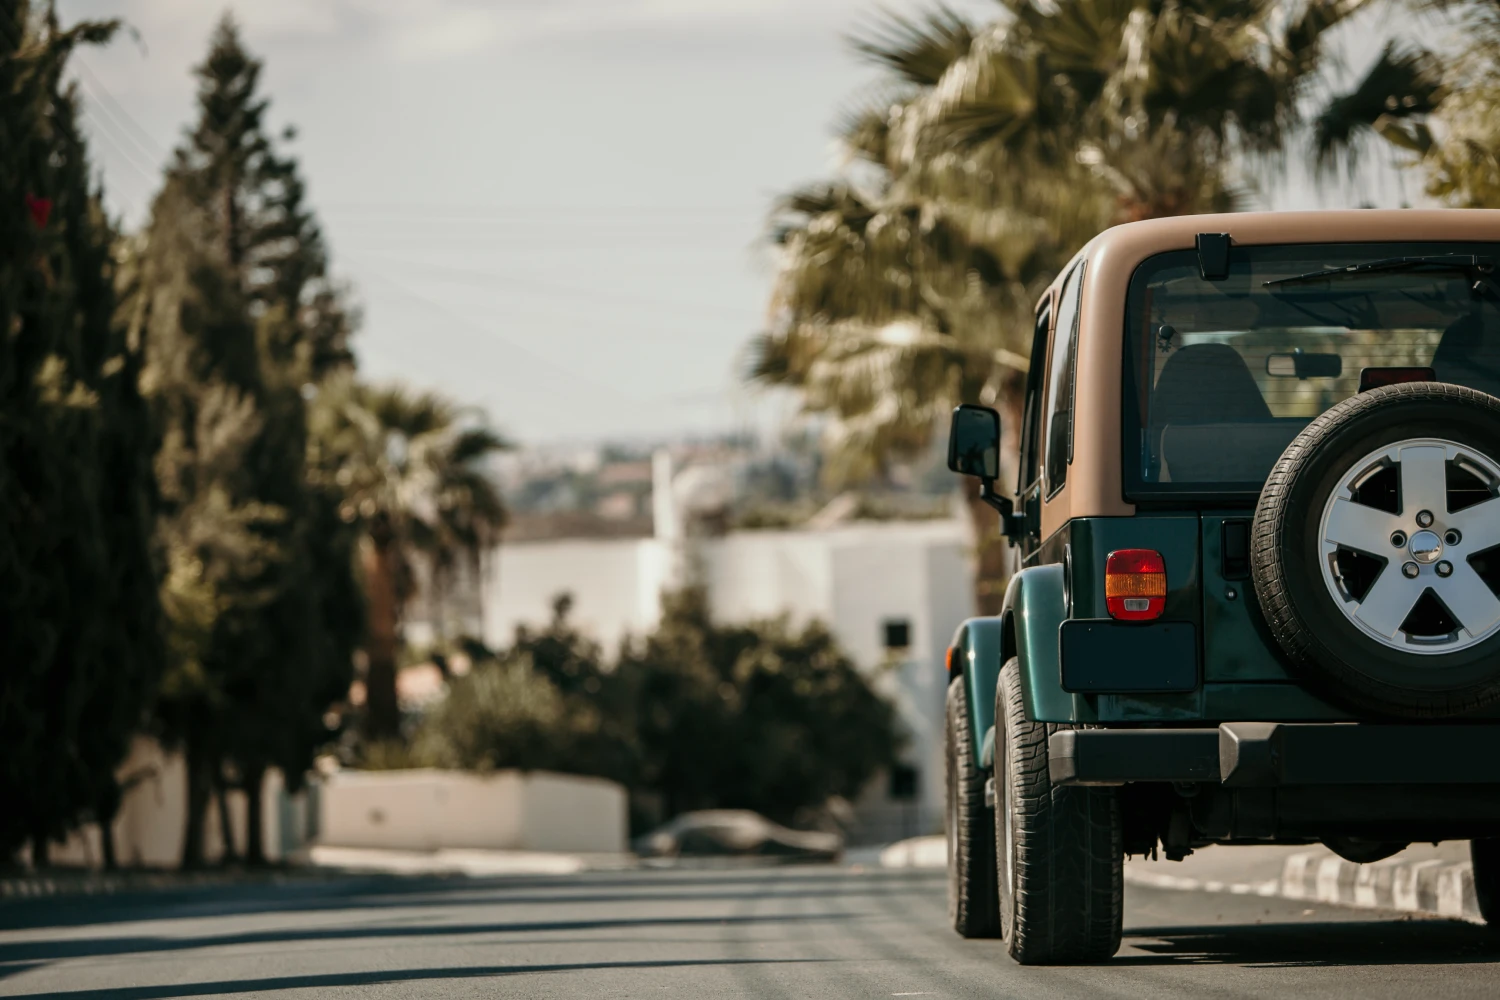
[(1135, 584)]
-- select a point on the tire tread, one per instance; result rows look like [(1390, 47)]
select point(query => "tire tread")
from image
[(1068, 896), (973, 905)]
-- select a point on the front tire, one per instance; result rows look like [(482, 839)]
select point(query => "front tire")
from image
[(971, 849), (1060, 853)]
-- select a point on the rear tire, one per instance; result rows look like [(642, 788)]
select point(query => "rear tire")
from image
[(1060, 850), (1486, 857), (971, 848)]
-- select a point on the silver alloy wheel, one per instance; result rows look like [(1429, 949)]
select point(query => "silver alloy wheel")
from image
[(1425, 547)]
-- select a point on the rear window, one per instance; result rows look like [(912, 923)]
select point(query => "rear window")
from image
[(1221, 375)]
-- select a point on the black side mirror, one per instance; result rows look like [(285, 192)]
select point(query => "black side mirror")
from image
[(974, 450), (974, 442)]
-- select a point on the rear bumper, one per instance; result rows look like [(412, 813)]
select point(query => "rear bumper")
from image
[(1276, 754)]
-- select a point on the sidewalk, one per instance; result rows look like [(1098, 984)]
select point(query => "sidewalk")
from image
[(454, 861), (1433, 880), (312, 863), (65, 882)]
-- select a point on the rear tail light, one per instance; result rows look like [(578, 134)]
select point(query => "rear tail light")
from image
[(1135, 584), (948, 659)]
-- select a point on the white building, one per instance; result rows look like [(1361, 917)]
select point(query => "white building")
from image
[(893, 590)]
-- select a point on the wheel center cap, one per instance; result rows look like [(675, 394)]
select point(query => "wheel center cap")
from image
[(1425, 546)]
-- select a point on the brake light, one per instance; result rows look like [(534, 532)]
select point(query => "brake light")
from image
[(1374, 378), (1135, 584)]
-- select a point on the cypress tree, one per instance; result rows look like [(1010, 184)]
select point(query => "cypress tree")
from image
[(81, 645)]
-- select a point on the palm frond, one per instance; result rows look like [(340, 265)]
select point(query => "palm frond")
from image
[(1402, 87), (915, 48)]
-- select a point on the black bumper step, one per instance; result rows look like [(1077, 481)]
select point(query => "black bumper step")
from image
[(1275, 754)]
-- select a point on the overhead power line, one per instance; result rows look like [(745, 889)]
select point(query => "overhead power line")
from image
[(485, 279), (142, 139), (101, 132), (599, 388)]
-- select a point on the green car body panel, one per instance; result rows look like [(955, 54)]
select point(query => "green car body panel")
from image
[(1240, 674)]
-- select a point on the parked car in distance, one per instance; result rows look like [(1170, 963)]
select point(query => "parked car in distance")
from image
[(1257, 508), (736, 833)]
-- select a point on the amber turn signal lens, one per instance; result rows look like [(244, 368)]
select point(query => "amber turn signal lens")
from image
[(1135, 584)]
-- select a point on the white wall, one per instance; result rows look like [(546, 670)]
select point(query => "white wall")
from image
[(429, 810), (615, 585), (148, 828)]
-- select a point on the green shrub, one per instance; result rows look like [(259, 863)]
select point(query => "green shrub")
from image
[(506, 714)]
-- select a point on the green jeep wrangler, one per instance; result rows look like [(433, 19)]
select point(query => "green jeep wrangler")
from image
[(1258, 522)]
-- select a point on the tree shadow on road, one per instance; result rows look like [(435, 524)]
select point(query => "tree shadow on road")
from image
[(33, 951), (387, 891), (1400, 941), (333, 980)]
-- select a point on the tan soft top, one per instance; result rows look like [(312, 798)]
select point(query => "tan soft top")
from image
[(1094, 484)]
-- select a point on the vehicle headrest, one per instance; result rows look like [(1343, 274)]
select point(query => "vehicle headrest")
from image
[(1207, 383)]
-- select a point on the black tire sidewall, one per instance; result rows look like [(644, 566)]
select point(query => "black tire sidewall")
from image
[(1332, 651), (952, 816), (1005, 845), (971, 875)]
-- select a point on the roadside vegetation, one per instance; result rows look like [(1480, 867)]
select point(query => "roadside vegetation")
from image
[(214, 527), (695, 715), (209, 518)]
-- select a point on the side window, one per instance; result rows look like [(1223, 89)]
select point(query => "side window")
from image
[(1032, 416), (1060, 382)]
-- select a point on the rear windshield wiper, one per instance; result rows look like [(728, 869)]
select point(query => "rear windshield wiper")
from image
[(1464, 263)]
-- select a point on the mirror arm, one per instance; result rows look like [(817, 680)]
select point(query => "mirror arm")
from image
[(1010, 521)]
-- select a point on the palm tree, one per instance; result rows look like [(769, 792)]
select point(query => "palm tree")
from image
[(410, 467), (910, 286), (979, 166), (1436, 114)]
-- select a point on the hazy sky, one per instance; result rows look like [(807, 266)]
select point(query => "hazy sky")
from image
[(552, 208)]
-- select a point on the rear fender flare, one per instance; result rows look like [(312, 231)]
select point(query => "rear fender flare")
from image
[(1035, 607), (979, 652), (1025, 629)]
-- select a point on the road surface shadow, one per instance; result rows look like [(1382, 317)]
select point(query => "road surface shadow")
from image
[(387, 891), (34, 951), (332, 980), (1289, 945)]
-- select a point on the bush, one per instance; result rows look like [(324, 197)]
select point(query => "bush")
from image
[(759, 716), (505, 714)]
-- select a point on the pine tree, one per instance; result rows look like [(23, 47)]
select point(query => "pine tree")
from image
[(81, 646), (242, 323)]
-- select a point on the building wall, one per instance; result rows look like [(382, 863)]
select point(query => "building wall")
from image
[(148, 829), (615, 584)]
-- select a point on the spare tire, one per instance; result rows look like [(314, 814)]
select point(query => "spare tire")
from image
[(1375, 551)]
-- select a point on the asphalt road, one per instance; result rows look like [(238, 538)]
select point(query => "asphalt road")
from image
[(775, 933)]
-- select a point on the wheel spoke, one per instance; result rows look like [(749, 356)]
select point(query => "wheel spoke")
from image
[(1479, 524), (1355, 526), (1469, 599), (1388, 601), (1424, 479)]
